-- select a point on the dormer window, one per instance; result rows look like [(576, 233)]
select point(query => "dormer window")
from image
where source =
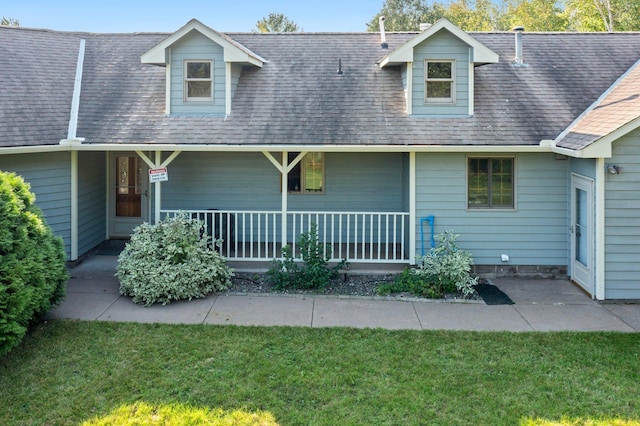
[(198, 81), (439, 81)]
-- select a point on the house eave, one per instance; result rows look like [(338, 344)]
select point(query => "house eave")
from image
[(233, 51), (403, 54), (600, 148), (316, 147)]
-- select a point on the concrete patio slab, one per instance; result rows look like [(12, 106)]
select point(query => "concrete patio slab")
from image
[(362, 313), (587, 317), (180, 312), (96, 266), (86, 306), (542, 292), (261, 310), (475, 317), (99, 285), (628, 313)]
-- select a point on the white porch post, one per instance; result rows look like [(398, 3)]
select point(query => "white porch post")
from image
[(412, 208), (285, 178), (74, 205), (158, 190)]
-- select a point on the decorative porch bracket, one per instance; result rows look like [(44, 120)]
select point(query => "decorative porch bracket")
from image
[(158, 164), (284, 168)]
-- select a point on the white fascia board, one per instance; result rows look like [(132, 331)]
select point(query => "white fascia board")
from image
[(314, 148), (481, 53), (233, 51), (34, 149)]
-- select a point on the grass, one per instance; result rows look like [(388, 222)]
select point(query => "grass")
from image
[(70, 372)]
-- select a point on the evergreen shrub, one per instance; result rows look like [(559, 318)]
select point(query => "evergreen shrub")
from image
[(33, 272)]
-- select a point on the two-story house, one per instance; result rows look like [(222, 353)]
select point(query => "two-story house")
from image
[(526, 144)]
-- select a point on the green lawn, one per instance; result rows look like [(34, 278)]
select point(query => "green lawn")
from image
[(68, 372)]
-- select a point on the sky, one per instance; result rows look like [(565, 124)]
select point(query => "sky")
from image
[(167, 16)]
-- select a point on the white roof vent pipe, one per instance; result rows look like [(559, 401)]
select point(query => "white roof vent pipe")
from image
[(519, 59), (383, 36), (424, 26)]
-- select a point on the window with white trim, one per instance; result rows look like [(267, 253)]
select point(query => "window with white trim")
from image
[(439, 81), (198, 81), (490, 183), (306, 177)]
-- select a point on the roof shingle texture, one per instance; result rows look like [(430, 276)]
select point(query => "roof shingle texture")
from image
[(297, 97), (37, 72), (618, 107)]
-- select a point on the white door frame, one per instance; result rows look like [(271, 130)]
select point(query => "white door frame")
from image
[(582, 232), (120, 227)]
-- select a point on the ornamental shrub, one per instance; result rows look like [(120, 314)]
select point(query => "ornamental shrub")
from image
[(33, 273), (445, 269), (171, 260), (313, 272)]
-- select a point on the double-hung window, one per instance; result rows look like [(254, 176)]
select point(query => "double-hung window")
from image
[(198, 81), (439, 84), (306, 177), (490, 183)]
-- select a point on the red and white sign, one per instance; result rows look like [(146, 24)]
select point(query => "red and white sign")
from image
[(158, 175)]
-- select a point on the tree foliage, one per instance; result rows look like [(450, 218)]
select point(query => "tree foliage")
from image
[(11, 22), (503, 15), (277, 23), (534, 15), (603, 15)]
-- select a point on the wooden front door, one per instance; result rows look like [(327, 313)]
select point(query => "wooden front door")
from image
[(129, 191)]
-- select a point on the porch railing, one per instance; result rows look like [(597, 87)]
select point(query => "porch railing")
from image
[(258, 235)]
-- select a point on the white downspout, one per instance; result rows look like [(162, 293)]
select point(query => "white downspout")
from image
[(71, 138), (600, 231), (75, 100)]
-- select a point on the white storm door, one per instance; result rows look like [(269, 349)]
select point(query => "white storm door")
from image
[(582, 232)]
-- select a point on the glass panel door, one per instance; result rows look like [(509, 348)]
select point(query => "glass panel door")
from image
[(582, 232), (128, 186)]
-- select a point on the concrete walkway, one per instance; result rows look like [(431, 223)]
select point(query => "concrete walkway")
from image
[(540, 305)]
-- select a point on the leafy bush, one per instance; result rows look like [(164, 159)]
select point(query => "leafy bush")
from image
[(33, 273), (312, 273), (170, 261), (445, 269)]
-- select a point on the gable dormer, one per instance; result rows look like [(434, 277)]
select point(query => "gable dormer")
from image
[(203, 68), (438, 70)]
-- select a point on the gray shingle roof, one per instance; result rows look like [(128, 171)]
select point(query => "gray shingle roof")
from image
[(298, 98), (618, 107), (37, 72)]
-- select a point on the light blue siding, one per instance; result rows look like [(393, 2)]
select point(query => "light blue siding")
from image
[(236, 70), (92, 195), (622, 221), (584, 166), (442, 45), (534, 233), (49, 175), (248, 181), (195, 46)]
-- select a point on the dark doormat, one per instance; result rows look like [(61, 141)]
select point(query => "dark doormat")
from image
[(492, 295)]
